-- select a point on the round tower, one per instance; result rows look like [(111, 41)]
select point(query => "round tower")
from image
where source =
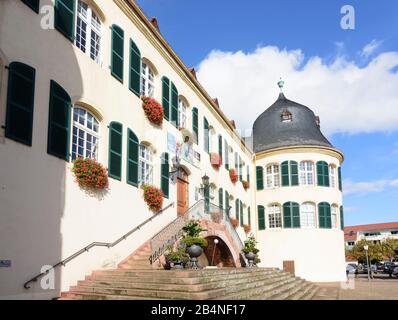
[(299, 193)]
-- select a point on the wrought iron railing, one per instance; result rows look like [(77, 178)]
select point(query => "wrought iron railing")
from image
[(96, 244)]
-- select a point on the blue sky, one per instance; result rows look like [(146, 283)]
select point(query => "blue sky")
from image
[(348, 77)]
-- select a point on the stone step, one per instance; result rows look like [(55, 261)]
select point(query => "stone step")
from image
[(179, 286), (94, 296), (311, 293), (181, 280), (302, 291), (285, 294)]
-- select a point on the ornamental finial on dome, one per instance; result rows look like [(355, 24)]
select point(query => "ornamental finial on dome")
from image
[(281, 84)]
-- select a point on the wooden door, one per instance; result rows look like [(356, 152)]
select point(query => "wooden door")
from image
[(182, 192), (288, 266)]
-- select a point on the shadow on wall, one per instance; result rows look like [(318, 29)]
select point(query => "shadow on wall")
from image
[(32, 182)]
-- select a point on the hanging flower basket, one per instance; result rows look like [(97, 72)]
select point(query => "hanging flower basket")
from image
[(90, 174), (215, 160), (233, 175), (235, 222), (247, 228), (153, 197), (153, 110), (246, 185)]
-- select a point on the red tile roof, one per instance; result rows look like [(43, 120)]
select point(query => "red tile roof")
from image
[(350, 232)]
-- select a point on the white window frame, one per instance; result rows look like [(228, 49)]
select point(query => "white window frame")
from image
[(147, 80), (307, 173), (145, 167), (332, 175), (84, 128), (274, 216), (273, 175), (182, 113), (333, 215), (93, 26), (307, 215)]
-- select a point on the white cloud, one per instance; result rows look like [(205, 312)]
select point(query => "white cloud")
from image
[(351, 188), (370, 48), (348, 98)]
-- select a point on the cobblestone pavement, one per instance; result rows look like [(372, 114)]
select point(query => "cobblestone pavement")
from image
[(379, 288)]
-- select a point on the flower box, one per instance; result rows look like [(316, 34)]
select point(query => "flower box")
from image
[(153, 197), (234, 222), (153, 110), (246, 185), (90, 174), (247, 228), (215, 160), (233, 175)]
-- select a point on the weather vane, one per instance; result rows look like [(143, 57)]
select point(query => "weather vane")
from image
[(281, 84)]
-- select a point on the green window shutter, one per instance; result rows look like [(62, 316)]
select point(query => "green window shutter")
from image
[(135, 69), (322, 169), (226, 202), (295, 215), (261, 217), (195, 124), (166, 97), (226, 155), (342, 217), (237, 209), (132, 158), (326, 174), (220, 198), (241, 214), (285, 173), (220, 146), (248, 173), (65, 18), (33, 4), (287, 215), (165, 169), (340, 182), (174, 105), (59, 122), (240, 169), (206, 135), (236, 163), (115, 150), (259, 178), (294, 180), (325, 220), (249, 218), (20, 103), (117, 54)]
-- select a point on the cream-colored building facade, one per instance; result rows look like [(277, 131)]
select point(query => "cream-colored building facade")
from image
[(46, 217)]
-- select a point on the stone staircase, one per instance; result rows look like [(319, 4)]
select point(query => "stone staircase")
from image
[(139, 260), (214, 284)]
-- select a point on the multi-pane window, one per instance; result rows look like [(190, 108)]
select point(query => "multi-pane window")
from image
[(85, 134), (307, 215), (273, 176), (334, 217), (147, 81), (332, 175), (274, 216), (182, 113), (88, 31), (306, 173), (145, 165)]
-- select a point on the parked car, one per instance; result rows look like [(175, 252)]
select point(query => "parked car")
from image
[(395, 271), (350, 269), (380, 266), (389, 268), (373, 268)]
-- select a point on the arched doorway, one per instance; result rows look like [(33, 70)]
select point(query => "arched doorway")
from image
[(182, 191), (218, 254)]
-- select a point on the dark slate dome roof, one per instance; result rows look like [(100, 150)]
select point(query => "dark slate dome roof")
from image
[(270, 132)]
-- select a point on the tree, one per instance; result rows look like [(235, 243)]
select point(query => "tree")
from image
[(390, 248), (375, 252)]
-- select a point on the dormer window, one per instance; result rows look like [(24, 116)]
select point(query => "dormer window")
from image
[(286, 116)]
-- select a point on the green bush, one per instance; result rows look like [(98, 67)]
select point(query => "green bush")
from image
[(189, 241), (193, 229)]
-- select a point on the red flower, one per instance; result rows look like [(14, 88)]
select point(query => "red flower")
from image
[(233, 175), (234, 222), (153, 197), (215, 160), (153, 110), (90, 174)]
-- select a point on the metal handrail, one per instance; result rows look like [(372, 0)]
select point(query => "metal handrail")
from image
[(96, 244)]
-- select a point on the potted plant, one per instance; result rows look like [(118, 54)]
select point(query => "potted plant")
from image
[(177, 258), (90, 174), (193, 241), (215, 160), (153, 197), (153, 110), (250, 250), (234, 222), (245, 184), (233, 175)]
